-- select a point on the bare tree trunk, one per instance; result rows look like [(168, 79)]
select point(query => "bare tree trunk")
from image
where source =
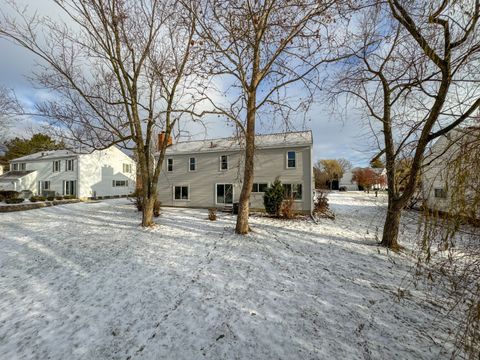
[(147, 211), (391, 228), (244, 201)]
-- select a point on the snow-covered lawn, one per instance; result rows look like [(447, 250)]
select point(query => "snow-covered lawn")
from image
[(84, 281)]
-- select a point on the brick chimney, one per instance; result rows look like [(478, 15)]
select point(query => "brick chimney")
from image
[(161, 139)]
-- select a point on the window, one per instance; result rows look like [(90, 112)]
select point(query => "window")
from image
[(224, 194), (46, 185), (119, 183), (291, 160), (70, 187), (293, 190), (441, 193), (192, 164), (169, 165), (224, 162), (69, 165), (180, 193), (127, 168), (259, 187), (56, 165), (23, 166), (15, 167), (43, 186)]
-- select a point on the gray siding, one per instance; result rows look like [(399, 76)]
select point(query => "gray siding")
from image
[(269, 163)]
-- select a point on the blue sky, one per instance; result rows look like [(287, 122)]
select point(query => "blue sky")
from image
[(335, 135)]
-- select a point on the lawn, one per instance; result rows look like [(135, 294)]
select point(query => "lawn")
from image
[(84, 281)]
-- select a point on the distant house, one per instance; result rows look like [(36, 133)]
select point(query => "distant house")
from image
[(453, 156), (209, 173), (100, 173), (347, 181)]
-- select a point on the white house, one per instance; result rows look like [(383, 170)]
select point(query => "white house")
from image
[(100, 173), (209, 173)]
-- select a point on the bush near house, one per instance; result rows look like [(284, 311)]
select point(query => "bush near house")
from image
[(273, 198), (14, 201), (51, 198), (9, 194), (288, 208), (69, 197), (37, 198), (58, 197), (212, 214), (321, 206)]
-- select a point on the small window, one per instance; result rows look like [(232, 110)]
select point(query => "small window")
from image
[(15, 167), (259, 187), (291, 160), (46, 185), (119, 183), (293, 190), (69, 165), (169, 165), (224, 162), (180, 193), (192, 164), (441, 193), (23, 166), (56, 165), (127, 168)]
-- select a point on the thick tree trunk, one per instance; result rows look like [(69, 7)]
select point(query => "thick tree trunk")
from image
[(392, 226), (147, 211), (244, 201)]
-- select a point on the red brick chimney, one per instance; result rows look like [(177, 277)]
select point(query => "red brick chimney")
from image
[(161, 139)]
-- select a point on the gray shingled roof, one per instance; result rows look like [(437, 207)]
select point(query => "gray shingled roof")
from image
[(228, 144), (15, 175), (52, 154)]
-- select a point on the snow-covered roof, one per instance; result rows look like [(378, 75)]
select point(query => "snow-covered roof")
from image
[(14, 175), (51, 154), (300, 138)]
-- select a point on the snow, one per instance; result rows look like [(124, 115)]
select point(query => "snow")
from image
[(84, 281)]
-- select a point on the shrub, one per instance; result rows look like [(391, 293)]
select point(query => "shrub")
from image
[(33, 199), (51, 198), (288, 208), (14, 200), (58, 197), (321, 207), (69, 197), (41, 198), (9, 194), (212, 214), (273, 197)]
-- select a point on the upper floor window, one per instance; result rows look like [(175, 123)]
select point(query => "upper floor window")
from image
[(293, 190), (69, 165), (56, 165), (224, 162), (180, 193), (169, 164), (23, 166), (119, 183), (291, 160), (15, 167), (441, 193), (127, 168), (192, 164), (259, 187)]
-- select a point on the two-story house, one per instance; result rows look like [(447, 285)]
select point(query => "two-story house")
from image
[(209, 173), (100, 173)]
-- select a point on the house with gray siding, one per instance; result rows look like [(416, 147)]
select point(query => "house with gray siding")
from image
[(209, 173)]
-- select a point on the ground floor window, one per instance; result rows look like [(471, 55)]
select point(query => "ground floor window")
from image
[(293, 190), (119, 183), (70, 187), (180, 193), (259, 187), (43, 186), (224, 194)]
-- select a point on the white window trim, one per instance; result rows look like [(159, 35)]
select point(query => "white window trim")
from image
[(233, 194), (59, 165), (173, 164), (192, 157), (67, 162), (173, 192), (220, 163), (114, 183), (286, 157), (15, 167), (260, 192), (296, 183), (128, 167)]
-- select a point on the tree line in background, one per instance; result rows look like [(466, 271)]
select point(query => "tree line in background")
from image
[(123, 71)]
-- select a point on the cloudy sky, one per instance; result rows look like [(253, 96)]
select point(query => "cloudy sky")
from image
[(335, 135)]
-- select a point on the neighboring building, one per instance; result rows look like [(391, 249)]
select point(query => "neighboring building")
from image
[(347, 182), (452, 170), (209, 173), (100, 173)]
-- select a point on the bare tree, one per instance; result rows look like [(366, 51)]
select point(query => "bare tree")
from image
[(119, 71), (417, 78), (9, 108), (262, 50)]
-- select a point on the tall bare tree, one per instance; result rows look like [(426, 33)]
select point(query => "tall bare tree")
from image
[(118, 70), (262, 50), (417, 78), (9, 108)]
